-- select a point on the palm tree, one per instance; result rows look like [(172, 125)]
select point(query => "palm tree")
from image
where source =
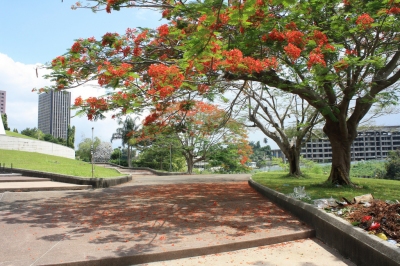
[(127, 134)]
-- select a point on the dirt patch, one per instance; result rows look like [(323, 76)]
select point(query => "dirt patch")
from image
[(378, 218)]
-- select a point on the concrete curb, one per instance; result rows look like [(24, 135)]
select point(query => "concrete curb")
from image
[(190, 252), (147, 169), (351, 242), (94, 182)]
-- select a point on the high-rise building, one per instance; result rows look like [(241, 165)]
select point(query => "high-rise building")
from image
[(3, 98), (54, 113)]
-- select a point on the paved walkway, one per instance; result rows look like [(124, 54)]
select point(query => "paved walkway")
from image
[(135, 223)]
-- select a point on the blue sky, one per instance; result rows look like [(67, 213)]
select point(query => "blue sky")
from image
[(33, 33)]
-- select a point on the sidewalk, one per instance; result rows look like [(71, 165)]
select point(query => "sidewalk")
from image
[(132, 224)]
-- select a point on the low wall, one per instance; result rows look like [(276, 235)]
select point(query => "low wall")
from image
[(351, 242), (30, 145), (94, 182)]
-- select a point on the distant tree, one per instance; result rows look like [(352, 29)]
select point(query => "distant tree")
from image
[(228, 157), (260, 154), (71, 137), (84, 149), (127, 134), (198, 126), (15, 130), (5, 123)]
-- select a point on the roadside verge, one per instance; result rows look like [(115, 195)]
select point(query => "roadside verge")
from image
[(350, 241)]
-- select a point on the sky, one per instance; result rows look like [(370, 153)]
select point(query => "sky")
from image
[(34, 32)]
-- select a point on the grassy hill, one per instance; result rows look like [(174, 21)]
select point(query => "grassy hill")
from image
[(13, 134), (52, 164)]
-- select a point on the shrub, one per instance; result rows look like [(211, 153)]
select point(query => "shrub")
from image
[(393, 165)]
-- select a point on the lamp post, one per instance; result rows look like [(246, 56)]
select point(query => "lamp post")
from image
[(119, 161), (170, 157), (92, 152)]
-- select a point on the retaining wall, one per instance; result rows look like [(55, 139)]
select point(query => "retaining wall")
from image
[(30, 145)]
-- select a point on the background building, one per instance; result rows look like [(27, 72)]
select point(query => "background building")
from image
[(3, 99), (54, 113), (370, 144)]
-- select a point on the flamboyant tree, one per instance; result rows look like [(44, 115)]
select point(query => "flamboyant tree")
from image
[(199, 127), (341, 56)]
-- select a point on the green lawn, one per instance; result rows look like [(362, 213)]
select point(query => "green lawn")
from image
[(52, 164), (314, 185)]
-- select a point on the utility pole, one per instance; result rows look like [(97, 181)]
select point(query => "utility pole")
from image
[(92, 152)]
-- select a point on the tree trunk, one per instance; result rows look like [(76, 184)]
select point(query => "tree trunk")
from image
[(341, 154), (293, 156), (129, 157), (189, 162)]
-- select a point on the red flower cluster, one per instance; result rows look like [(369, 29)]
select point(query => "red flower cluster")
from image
[(78, 101), (276, 35), (394, 10), (316, 58), (319, 38), (141, 36), (235, 62), (364, 21), (76, 47), (150, 118), (292, 51), (109, 38), (163, 30), (165, 79), (60, 59)]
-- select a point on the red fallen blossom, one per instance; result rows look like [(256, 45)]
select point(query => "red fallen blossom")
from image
[(366, 218), (374, 226)]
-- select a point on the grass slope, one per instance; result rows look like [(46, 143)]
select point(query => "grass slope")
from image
[(52, 164), (17, 135), (314, 186)]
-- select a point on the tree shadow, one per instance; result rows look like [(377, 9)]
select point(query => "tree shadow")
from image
[(144, 218)]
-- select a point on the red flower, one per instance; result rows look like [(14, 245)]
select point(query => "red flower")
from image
[(364, 21), (163, 30), (276, 35), (316, 58), (292, 51), (78, 101)]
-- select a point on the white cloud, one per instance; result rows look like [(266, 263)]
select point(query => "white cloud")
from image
[(19, 79)]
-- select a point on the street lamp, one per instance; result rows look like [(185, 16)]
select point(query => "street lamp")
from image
[(92, 152), (119, 161), (170, 157)]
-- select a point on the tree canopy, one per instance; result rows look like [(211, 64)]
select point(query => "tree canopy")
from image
[(341, 56)]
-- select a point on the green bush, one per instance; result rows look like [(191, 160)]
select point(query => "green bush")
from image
[(393, 165), (374, 169)]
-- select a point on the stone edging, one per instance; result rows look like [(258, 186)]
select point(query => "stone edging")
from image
[(147, 169), (94, 182), (351, 242)]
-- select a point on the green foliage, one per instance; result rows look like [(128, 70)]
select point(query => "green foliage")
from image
[(261, 155), (227, 158), (39, 135), (85, 147), (372, 169), (316, 187), (310, 167), (163, 154), (393, 165), (53, 164), (15, 130), (5, 122)]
